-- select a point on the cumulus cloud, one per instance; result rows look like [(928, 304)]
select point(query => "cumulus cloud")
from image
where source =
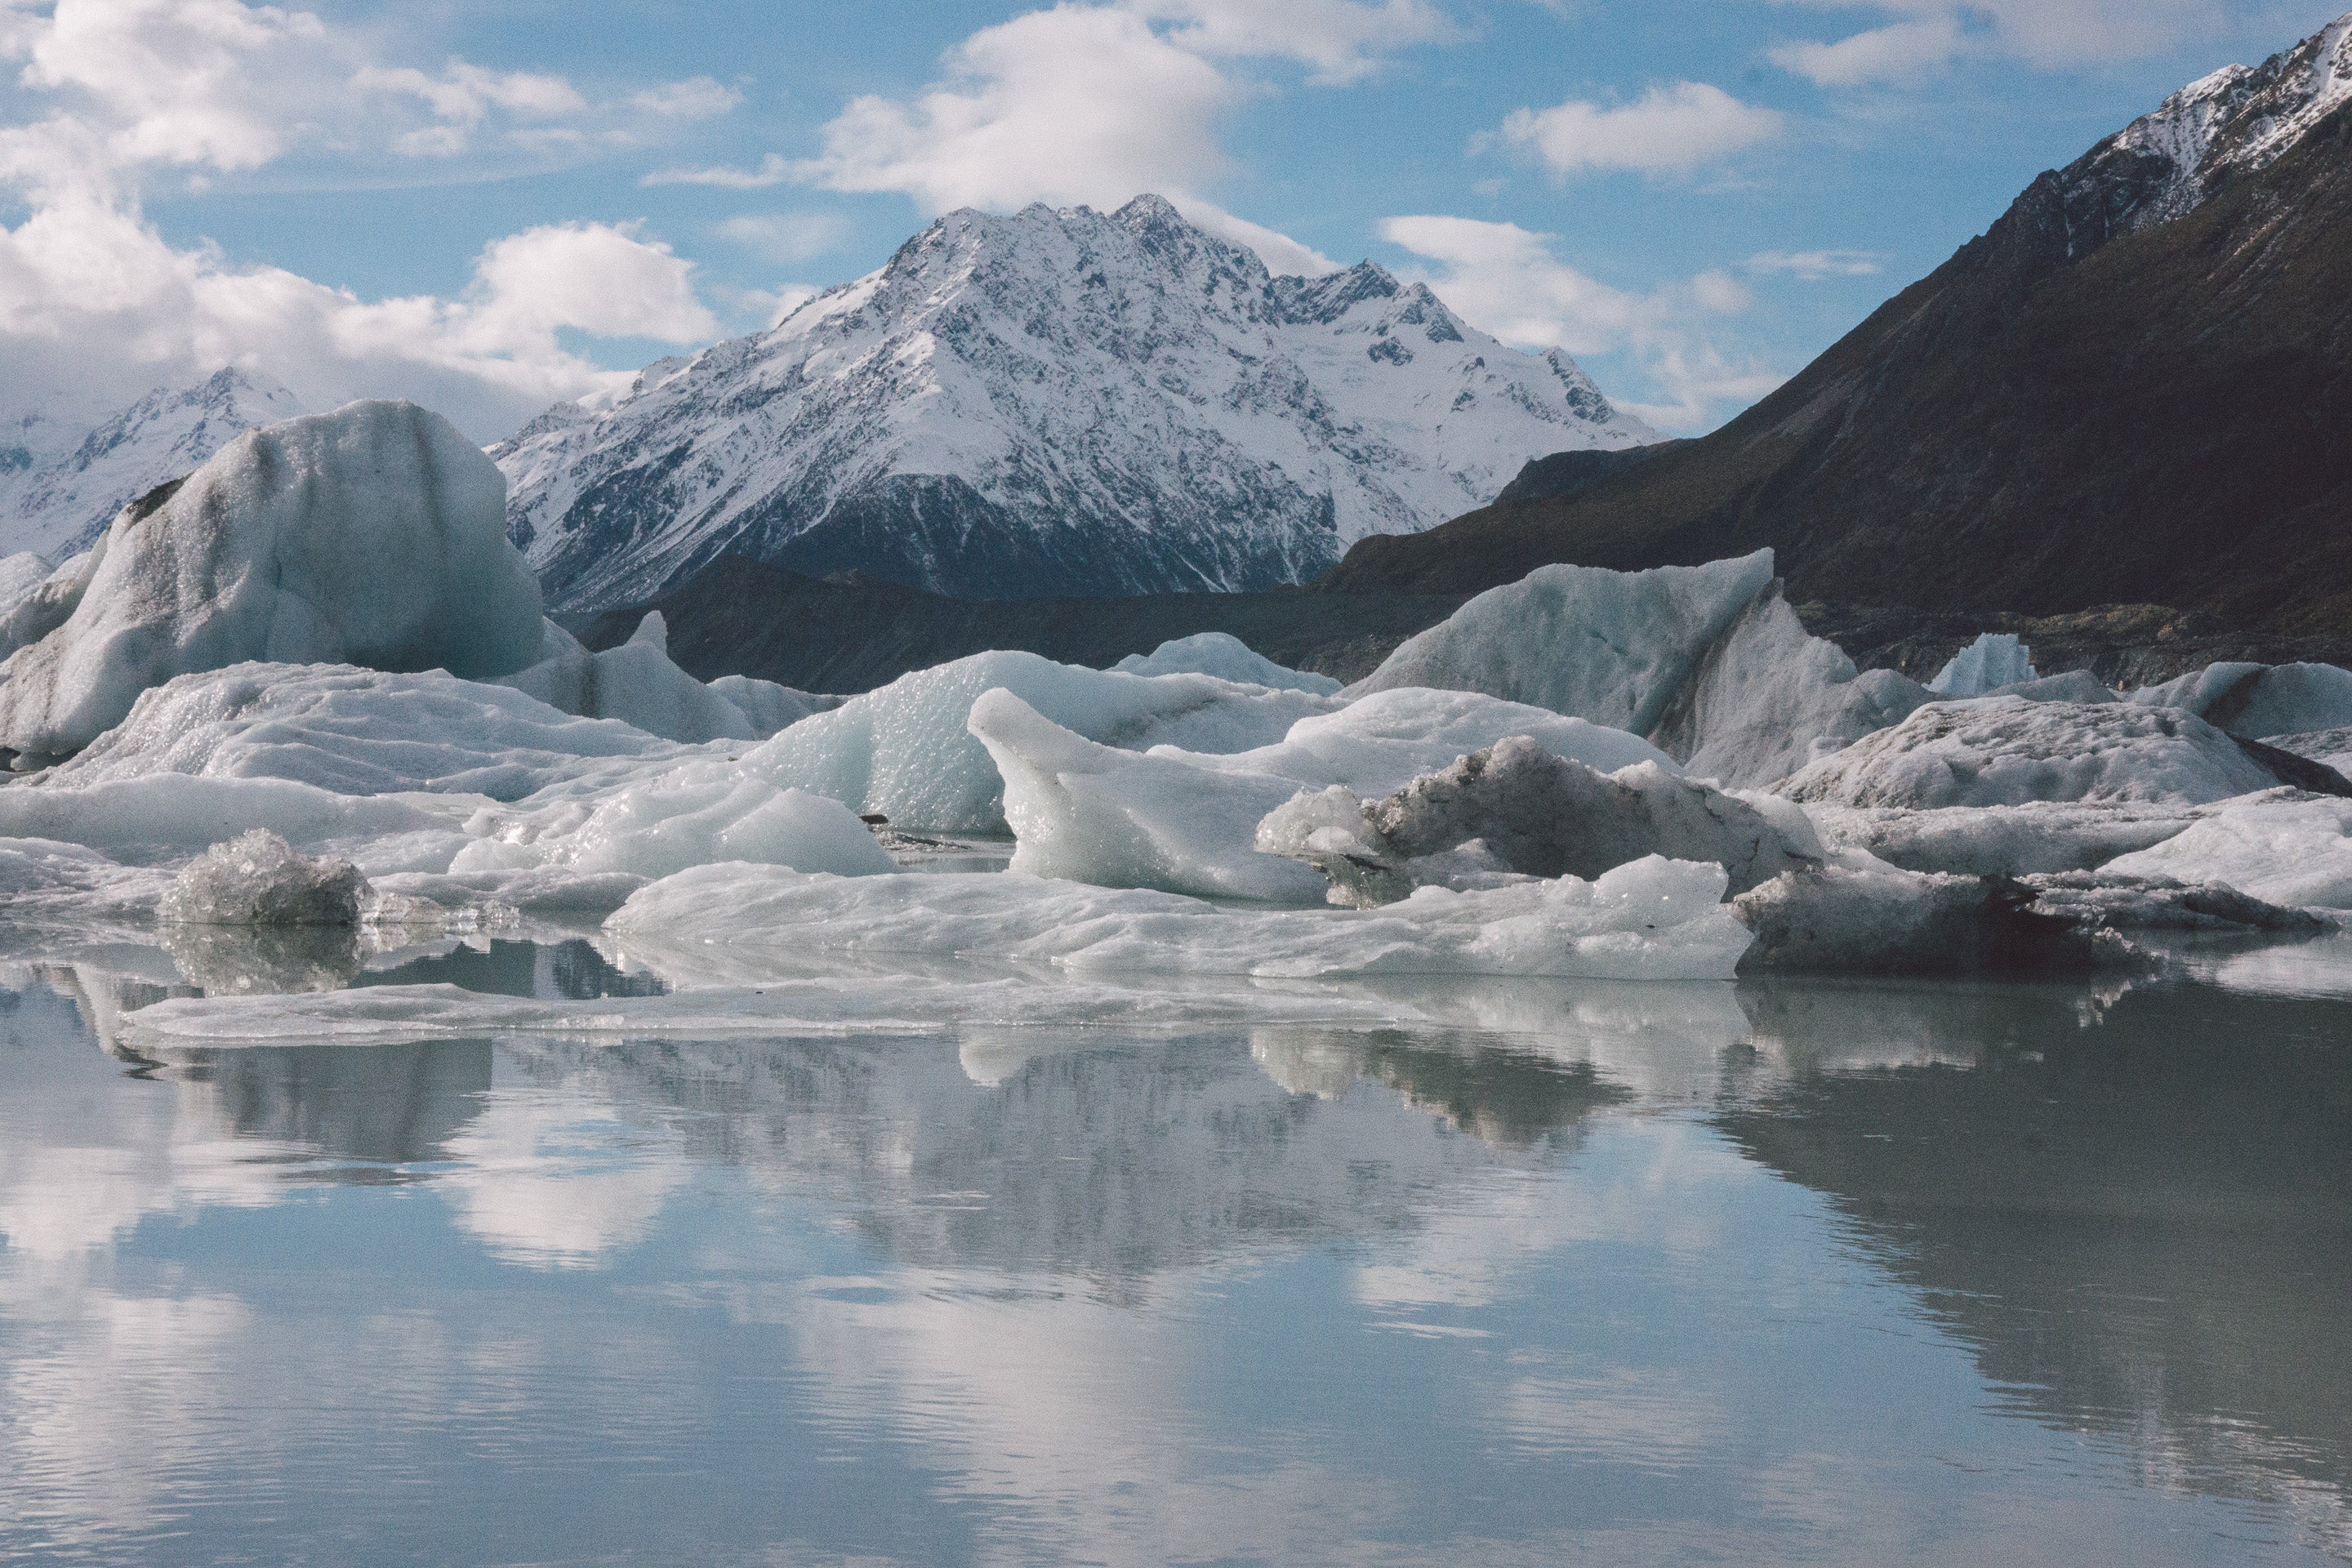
[(97, 307), (1077, 104), (1668, 130), (1922, 36), (1093, 104), (1507, 280)]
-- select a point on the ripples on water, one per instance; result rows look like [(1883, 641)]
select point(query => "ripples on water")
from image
[(1786, 1273)]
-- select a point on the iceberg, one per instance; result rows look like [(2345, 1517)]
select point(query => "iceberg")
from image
[(2006, 751), (357, 732), (1709, 662), (2259, 701), (1994, 661), (2040, 838), (905, 751), (1228, 658), (258, 880), (694, 815), (374, 535), (1187, 821), (1862, 919), (1652, 920), (1530, 813), (637, 684), (2283, 846)]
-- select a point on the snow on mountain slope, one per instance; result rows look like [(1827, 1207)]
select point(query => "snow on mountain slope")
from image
[(1054, 402), (58, 492), (2165, 164)]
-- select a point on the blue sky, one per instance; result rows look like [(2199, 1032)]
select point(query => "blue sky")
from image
[(489, 205)]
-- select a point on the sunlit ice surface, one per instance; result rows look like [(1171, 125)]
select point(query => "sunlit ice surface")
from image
[(1811, 1273)]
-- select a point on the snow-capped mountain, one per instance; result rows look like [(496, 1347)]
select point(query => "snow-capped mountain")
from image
[(58, 489), (1054, 402), (2239, 119)]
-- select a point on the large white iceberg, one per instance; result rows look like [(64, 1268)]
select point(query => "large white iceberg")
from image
[(637, 684), (1186, 821), (1707, 661), (1653, 920), (694, 815), (2281, 846), (2006, 751), (2259, 701), (905, 751), (1228, 658), (374, 535), (358, 731)]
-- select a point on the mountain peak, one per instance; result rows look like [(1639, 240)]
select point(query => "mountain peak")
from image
[(1056, 400)]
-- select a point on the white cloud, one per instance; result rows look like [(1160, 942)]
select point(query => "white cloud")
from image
[(1667, 130), (1507, 280), (1341, 40), (1925, 34), (696, 98), (96, 307), (786, 237), (1812, 266), (773, 170), (1282, 256), (1077, 104)]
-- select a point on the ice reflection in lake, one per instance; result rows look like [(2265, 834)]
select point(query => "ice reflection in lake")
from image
[(1819, 1273)]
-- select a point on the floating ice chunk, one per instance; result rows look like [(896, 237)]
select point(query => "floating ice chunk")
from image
[(1186, 821), (2004, 750), (1654, 919), (2282, 846), (2040, 838), (1877, 919), (636, 684), (2259, 701), (905, 751), (772, 706), (259, 879), (1612, 647), (2109, 900), (374, 535), (1529, 811), (1768, 697), (357, 731), (164, 818), (45, 883), (1228, 658), (1995, 660), (537, 892), (690, 816)]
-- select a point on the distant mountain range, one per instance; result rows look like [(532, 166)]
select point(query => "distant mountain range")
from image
[(1055, 402), (2135, 388), (60, 488)]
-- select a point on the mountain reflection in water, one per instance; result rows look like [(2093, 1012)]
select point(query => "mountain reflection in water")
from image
[(1788, 1272)]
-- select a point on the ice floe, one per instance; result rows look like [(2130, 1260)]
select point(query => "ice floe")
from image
[(637, 684), (374, 535), (2259, 701), (2281, 846), (1225, 657), (1186, 821), (357, 731), (2006, 751), (1515, 807)]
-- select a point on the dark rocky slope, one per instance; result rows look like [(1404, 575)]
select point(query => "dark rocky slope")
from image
[(2135, 389)]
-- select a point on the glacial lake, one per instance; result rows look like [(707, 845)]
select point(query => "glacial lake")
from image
[(1789, 1272)]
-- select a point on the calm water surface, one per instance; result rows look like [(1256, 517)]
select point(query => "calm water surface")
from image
[(1790, 1273)]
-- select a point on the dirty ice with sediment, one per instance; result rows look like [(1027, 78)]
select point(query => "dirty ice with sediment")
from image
[(312, 688)]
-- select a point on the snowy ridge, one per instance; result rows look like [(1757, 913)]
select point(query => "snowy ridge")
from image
[(2235, 121), (1051, 402), (56, 500)]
